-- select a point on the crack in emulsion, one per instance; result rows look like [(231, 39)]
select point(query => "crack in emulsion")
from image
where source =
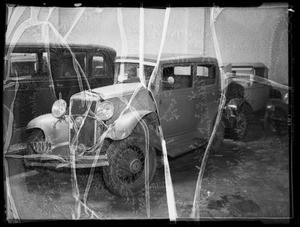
[(81, 201), (225, 78)]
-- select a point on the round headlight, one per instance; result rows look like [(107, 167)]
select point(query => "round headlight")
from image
[(104, 111), (59, 108)]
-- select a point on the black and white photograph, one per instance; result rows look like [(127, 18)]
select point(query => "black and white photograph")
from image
[(171, 113)]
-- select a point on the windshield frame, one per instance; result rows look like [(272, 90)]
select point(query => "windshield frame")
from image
[(134, 64)]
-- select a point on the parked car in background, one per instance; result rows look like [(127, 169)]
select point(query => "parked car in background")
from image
[(183, 98), (245, 97), (276, 120), (36, 76)]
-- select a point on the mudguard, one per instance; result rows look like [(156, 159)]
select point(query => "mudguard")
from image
[(56, 131), (236, 102), (125, 124), (277, 103)]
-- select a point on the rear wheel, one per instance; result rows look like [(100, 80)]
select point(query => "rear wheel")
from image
[(125, 175), (277, 124)]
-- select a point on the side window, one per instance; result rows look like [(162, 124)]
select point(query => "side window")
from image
[(23, 64), (182, 76), (98, 66), (243, 70), (205, 75), (62, 64)]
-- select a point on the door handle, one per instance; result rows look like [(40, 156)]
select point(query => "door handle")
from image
[(59, 85)]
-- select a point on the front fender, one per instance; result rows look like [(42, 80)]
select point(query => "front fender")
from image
[(125, 124), (236, 102), (231, 109), (56, 131)]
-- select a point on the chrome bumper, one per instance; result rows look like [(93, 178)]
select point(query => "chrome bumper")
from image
[(56, 161)]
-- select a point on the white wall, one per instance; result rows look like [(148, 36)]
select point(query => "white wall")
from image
[(244, 34), (253, 35)]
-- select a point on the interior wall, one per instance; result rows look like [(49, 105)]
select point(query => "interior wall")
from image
[(252, 35), (244, 34)]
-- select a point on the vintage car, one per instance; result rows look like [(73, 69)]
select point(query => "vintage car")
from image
[(116, 125), (245, 97), (276, 120), (37, 74)]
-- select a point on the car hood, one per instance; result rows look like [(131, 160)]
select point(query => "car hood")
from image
[(115, 90)]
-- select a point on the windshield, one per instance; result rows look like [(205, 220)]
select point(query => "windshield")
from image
[(129, 72)]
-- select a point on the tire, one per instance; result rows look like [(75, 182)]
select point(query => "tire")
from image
[(277, 126), (125, 175), (244, 123), (219, 137)]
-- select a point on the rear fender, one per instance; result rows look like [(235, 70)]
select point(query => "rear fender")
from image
[(56, 131), (277, 103)]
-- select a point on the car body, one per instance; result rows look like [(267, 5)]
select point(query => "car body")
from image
[(121, 119), (276, 120), (255, 93), (246, 96), (37, 74)]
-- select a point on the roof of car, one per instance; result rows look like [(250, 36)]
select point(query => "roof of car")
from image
[(247, 64), (56, 45), (166, 57)]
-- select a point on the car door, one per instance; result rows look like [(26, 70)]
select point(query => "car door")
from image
[(26, 85), (206, 97), (176, 108), (257, 94)]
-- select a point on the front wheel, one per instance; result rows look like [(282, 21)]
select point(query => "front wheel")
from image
[(36, 143), (244, 123), (125, 175)]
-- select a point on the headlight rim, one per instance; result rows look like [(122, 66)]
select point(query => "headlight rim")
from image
[(59, 105), (102, 104)]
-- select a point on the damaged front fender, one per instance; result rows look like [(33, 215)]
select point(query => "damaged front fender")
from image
[(125, 124), (56, 131)]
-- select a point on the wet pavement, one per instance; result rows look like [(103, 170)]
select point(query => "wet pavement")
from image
[(242, 180)]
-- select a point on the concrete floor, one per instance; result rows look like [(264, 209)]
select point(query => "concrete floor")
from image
[(243, 180)]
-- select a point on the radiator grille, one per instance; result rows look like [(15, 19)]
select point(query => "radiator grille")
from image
[(87, 132)]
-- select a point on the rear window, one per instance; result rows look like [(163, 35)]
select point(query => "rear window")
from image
[(98, 66), (23, 64), (205, 74)]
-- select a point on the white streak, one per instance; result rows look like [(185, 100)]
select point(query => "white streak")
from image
[(78, 15), (141, 47)]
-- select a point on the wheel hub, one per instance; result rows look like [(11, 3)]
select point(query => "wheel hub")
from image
[(135, 166), (131, 164)]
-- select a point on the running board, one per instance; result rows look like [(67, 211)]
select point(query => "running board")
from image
[(185, 146)]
